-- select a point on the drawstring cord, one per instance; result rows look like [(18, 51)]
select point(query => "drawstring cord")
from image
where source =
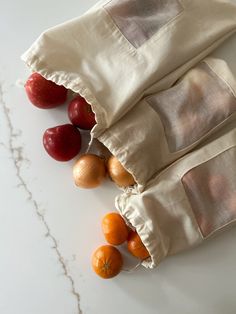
[(130, 270), (89, 145), (133, 268)]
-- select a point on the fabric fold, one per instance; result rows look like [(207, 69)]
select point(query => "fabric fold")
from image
[(91, 55), (143, 67)]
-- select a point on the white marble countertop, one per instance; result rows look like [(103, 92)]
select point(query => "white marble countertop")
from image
[(48, 228)]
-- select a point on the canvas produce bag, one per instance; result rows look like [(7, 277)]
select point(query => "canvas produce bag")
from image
[(140, 66)]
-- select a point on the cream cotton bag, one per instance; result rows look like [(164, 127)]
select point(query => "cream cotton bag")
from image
[(97, 56), (188, 202), (124, 57), (166, 125)]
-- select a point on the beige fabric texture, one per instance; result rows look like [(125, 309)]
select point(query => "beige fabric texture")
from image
[(189, 112), (143, 68), (163, 213)]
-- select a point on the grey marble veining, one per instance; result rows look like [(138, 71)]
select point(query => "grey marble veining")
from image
[(17, 157), (49, 228)]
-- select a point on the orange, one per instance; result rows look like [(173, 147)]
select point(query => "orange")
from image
[(136, 246), (115, 229), (107, 261)]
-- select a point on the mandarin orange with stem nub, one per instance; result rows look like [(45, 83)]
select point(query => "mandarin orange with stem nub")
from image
[(107, 261)]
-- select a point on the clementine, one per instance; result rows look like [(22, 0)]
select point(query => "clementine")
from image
[(136, 246), (115, 229), (107, 261)]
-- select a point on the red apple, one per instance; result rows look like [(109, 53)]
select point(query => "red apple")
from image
[(81, 114), (62, 142), (43, 93)]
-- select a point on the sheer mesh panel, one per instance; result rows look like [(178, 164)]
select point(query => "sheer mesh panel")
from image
[(211, 190), (139, 20), (193, 107)]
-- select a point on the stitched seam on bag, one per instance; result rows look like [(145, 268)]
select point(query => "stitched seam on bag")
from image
[(117, 29), (200, 140), (188, 199), (202, 136), (221, 78), (163, 30), (193, 217), (220, 228), (158, 34), (157, 176), (205, 161), (172, 73), (212, 232)]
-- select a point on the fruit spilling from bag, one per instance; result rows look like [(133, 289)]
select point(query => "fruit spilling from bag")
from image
[(107, 260), (63, 143), (168, 117)]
